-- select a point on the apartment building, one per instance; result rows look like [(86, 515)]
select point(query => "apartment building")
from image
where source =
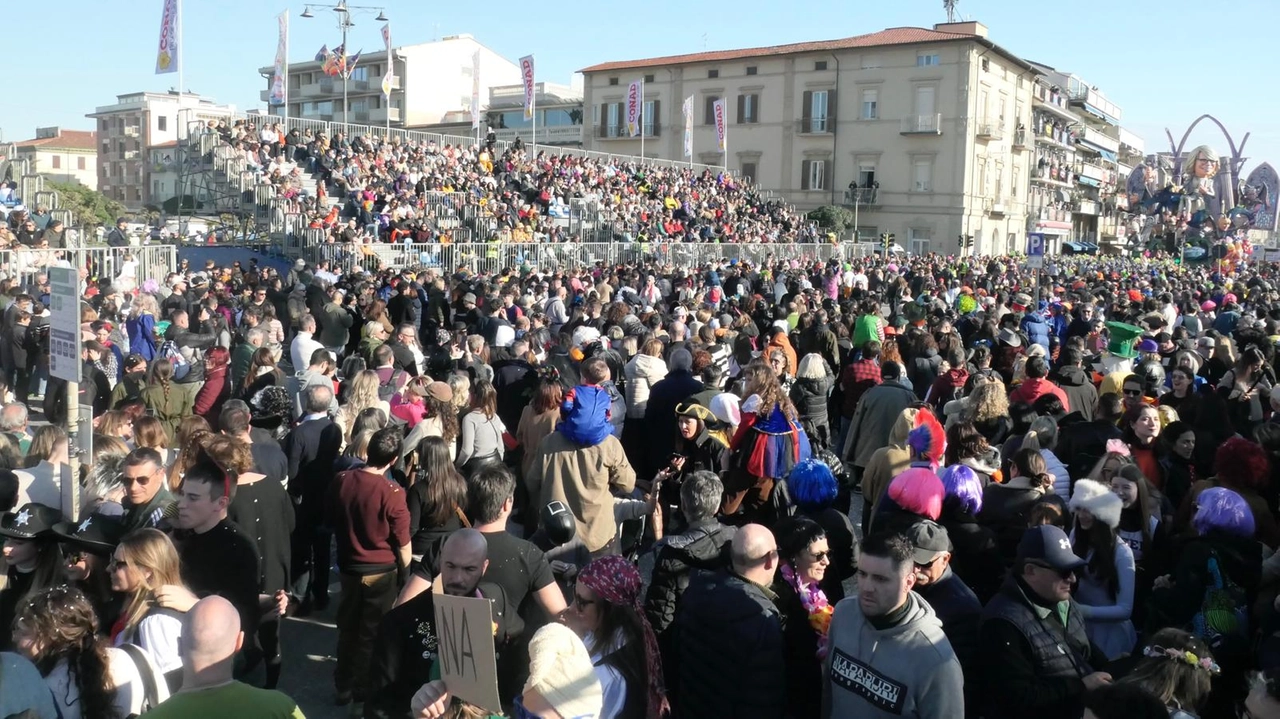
[(922, 120), (62, 155), (558, 115), (429, 80), (133, 124)]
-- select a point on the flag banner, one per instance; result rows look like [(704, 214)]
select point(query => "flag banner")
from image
[(526, 73), (323, 54), (280, 73), (386, 37), (721, 129), (333, 61), (349, 64), (475, 91), (386, 84), (635, 93), (167, 54), (688, 126)]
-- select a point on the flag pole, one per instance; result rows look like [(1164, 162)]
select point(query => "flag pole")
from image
[(391, 66), (641, 118), (533, 103), (181, 65), (284, 113)]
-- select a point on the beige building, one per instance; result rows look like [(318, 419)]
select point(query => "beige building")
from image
[(922, 120), (62, 155)]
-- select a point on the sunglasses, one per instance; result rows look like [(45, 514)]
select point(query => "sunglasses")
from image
[(144, 480), (75, 557), (819, 556), (1063, 573), (117, 564), (583, 603), (1133, 393)]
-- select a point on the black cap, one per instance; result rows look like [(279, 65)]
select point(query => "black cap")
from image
[(929, 539), (31, 521), (1050, 545), (96, 533)]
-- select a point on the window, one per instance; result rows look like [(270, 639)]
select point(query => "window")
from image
[(57, 162), (813, 174), (816, 107), (820, 65), (749, 171), (613, 81), (1017, 177), (925, 95), (870, 62), (361, 73), (614, 112), (922, 174), (102, 124), (162, 123), (360, 105), (918, 240), (866, 174), (748, 109), (986, 65), (80, 164), (157, 187), (120, 146), (928, 59), (751, 69), (648, 78), (709, 116), (648, 122), (870, 101), (713, 74)]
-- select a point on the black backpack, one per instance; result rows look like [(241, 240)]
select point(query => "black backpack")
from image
[(386, 390)]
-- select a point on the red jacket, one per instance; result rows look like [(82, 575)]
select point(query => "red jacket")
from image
[(1033, 389)]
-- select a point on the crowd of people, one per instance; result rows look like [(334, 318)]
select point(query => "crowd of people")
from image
[(929, 487)]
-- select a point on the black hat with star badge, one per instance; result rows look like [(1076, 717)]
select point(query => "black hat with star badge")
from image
[(31, 521), (98, 534)]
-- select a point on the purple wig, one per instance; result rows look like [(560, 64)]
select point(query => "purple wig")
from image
[(812, 485), (1218, 508), (963, 487), (919, 491)]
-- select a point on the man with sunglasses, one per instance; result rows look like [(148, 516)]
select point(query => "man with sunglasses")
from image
[(954, 602), (146, 494), (1035, 657)]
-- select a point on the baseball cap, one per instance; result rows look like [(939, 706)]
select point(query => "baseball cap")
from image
[(1050, 545), (929, 539)]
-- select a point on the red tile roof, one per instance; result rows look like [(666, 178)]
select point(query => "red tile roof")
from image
[(892, 36), (66, 140)]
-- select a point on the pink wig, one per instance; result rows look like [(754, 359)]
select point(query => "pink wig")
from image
[(918, 491)]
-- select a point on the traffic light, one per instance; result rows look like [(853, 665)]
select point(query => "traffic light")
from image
[(966, 243), (886, 240)]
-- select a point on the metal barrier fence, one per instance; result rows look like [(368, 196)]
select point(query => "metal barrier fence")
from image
[(127, 267), (496, 256)]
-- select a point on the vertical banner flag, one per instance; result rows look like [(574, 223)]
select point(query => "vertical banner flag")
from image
[(386, 78), (167, 54), (475, 91), (349, 64), (688, 126), (280, 73), (634, 92), (526, 72), (720, 123)]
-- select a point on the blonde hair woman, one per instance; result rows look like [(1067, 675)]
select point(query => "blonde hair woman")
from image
[(988, 410), (143, 563), (363, 395)]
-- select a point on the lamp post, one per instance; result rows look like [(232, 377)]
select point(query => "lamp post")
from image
[(344, 12)]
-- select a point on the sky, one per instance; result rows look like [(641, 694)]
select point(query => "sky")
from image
[(1164, 63)]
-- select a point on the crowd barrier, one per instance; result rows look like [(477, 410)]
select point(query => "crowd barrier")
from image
[(126, 267), (496, 256)]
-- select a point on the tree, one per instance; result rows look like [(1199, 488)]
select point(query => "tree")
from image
[(88, 207), (832, 217)]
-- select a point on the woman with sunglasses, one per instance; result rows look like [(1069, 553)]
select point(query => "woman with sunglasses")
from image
[(145, 561), (805, 556), (607, 614)]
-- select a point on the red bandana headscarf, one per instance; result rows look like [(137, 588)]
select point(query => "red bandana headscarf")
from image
[(618, 582)]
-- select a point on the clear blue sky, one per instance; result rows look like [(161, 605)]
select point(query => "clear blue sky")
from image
[(1163, 63)]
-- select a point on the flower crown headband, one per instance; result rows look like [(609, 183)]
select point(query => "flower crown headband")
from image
[(1180, 655)]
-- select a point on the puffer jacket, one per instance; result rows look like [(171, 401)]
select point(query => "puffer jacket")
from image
[(810, 398), (1036, 329), (643, 371), (703, 546)]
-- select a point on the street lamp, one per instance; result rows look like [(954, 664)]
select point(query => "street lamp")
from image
[(344, 12)]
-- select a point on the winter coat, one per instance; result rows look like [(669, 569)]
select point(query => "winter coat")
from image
[(1082, 444), (1076, 384), (780, 341), (923, 371), (975, 555), (1033, 388), (886, 463), (1239, 559), (810, 398), (703, 546), (660, 414), (1004, 511), (1036, 329), (142, 336), (873, 420), (947, 387), (335, 325), (800, 646), (643, 371), (211, 395), (583, 478), (170, 403), (730, 661)]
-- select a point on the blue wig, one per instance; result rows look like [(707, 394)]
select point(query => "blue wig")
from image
[(963, 487), (1220, 509), (812, 485)]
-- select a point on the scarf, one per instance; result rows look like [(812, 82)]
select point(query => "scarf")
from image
[(815, 604), (618, 582)]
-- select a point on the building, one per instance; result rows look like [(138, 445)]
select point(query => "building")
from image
[(922, 120), (558, 109), (136, 122), (1082, 159), (429, 80), (62, 155)]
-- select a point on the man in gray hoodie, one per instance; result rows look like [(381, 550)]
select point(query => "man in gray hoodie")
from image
[(888, 656)]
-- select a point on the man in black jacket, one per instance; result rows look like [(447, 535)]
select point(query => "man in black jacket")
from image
[(403, 307), (952, 600), (1034, 656), (1076, 383), (118, 237), (730, 654), (405, 337), (1082, 444), (312, 448)]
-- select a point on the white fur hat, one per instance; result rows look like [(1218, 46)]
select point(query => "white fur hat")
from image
[(1099, 500), (560, 671)]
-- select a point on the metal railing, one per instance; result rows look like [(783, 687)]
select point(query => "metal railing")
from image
[(127, 267), (816, 125), (861, 196), (990, 130), (922, 124)]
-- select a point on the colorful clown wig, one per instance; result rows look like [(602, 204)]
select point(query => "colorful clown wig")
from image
[(1219, 509), (812, 485), (928, 440), (918, 491), (963, 488)]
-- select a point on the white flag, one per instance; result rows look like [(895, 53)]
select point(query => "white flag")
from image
[(688, 127), (167, 54), (280, 72), (475, 91), (526, 73)]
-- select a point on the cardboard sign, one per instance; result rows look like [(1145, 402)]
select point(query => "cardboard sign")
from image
[(468, 664)]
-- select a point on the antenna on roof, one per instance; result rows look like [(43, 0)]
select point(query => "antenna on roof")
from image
[(704, 42), (950, 6)]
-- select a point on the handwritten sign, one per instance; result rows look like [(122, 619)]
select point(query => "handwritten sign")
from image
[(468, 663)]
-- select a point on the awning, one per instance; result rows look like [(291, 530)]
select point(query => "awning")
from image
[(1062, 195), (1088, 181), (1050, 227), (1100, 114)]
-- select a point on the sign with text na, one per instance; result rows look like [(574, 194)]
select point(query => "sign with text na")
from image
[(468, 662), (64, 323)]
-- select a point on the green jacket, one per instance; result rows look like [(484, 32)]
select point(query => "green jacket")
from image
[(170, 407)]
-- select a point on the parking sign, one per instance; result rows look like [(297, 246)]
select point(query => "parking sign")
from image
[(1035, 250)]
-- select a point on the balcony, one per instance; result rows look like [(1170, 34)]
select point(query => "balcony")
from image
[(327, 85), (816, 125), (862, 196), (360, 116), (311, 89), (382, 115), (553, 135), (358, 85), (395, 83), (1086, 207), (130, 154), (1020, 139), (614, 132), (989, 130), (264, 96), (922, 124), (132, 131)]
